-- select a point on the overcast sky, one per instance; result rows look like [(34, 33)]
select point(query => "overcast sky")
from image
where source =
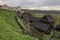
[(34, 4)]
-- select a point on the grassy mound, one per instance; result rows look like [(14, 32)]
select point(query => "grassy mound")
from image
[(9, 30)]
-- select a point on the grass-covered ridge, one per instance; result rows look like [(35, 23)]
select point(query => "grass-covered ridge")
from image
[(9, 30)]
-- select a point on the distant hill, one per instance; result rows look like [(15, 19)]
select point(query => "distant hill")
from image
[(5, 6), (42, 11)]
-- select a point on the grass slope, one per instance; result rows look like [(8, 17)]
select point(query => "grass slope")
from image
[(9, 30)]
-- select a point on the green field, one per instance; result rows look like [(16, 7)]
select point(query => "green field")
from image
[(9, 30)]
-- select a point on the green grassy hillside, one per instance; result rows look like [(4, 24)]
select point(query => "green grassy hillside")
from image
[(9, 30)]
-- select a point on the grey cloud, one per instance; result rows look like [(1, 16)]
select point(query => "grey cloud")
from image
[(51, 3), (39, 3), (12, 2), (32, 3)]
